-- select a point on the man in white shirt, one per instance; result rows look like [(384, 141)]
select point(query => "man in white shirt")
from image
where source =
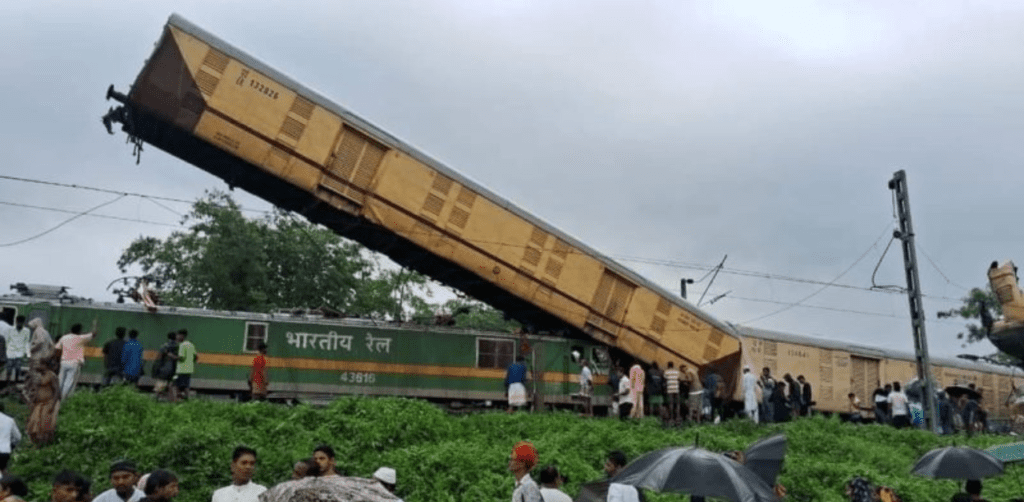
[(520, 463), (17, 349), (750, 394), (898, 406), (625, 397), (618, 492), (9, 436), (550, 481), (242, 489), (586, 387), (123, 476)]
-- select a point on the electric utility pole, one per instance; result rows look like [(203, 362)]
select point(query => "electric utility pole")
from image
[(905, 234)]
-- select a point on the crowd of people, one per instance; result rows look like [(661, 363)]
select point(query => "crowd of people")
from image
[(54, 366), (678, 395), (128, 484)]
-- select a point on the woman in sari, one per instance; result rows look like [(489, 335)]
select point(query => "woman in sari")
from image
[(43, 392)]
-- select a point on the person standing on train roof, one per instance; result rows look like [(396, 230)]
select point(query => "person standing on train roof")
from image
[(17, 349), (131, 358), (187, 359), (515, 384), (258, 381), (750, 404), (586, 388), (767, 384), (805, 396), (112, 357), (637, 380), (72, 357)]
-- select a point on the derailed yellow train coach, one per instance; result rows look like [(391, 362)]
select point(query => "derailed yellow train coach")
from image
[(210, 104)]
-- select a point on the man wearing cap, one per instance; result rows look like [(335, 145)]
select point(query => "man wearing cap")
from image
[(241, 489), (123, 476), (520, 463), (387, 478)]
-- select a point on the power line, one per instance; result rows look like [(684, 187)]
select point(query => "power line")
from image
[(671, 263), (109, 217), (65, 222), (823, 288), (151, 198)]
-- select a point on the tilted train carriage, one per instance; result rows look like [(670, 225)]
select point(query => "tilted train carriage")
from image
[(209, 103), (313, 357)]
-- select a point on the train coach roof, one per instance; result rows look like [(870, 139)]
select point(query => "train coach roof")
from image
[(380, 135), (347, 322), (863, 350)]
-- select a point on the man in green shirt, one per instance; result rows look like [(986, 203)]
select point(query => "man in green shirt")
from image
[(187, 359)]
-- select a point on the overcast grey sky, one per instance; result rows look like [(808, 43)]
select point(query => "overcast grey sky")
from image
[(666, 134)]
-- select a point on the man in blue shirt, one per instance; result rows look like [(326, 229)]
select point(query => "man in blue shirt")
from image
[(131, 358), (515, 384)]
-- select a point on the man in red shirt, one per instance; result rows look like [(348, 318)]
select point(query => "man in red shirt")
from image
[(258, 378)]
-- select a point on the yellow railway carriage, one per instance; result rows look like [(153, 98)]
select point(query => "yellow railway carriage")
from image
[(205, 101), (834, 369)]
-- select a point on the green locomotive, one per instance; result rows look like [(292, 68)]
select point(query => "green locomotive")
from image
[(314, 357)]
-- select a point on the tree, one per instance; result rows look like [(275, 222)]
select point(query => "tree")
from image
[(227, 261), (973, 303)]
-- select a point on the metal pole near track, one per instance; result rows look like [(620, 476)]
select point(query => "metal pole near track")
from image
[(905, 234)]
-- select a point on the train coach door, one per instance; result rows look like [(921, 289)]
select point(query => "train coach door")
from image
[(864, 378)]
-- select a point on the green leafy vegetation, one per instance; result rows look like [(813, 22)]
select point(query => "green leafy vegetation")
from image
[(442, 457)]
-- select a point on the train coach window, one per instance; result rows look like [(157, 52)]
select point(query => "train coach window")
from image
[(255, 332), (492, 353)]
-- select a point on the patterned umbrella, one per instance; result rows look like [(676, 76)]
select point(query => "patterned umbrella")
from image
[(328, 489), (1011, 452), (954, 462)]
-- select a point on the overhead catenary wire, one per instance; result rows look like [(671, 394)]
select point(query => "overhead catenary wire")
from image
[(65, 222), (823, 288), (710, 269), (104, 216)]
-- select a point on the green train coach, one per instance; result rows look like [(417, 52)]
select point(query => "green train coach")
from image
[(311, 357)]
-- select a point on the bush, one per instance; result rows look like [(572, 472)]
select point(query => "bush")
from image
[(441, 457)]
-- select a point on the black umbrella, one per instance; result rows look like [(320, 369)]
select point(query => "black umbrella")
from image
[(954, 462), (696, 471), (765, 457), (955, 391)]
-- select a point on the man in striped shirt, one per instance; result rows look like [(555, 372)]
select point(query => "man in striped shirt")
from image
[(672, 389)]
